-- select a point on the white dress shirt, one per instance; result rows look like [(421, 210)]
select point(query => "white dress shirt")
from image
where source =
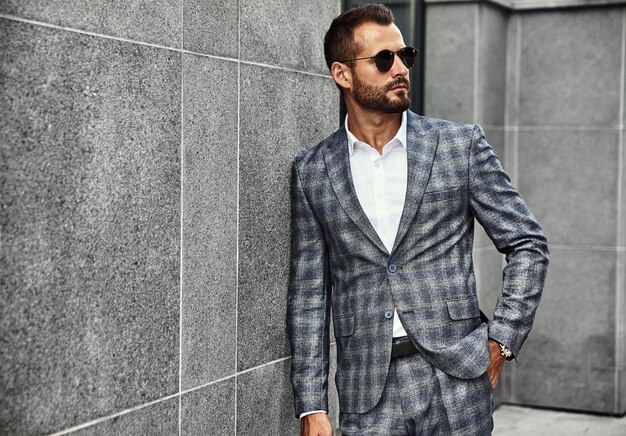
[(380, 185)]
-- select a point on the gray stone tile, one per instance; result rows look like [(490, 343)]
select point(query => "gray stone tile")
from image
[(156, 21), (488, 264), (287, 33), (209, 410), (492, 65), (575, 322), (90, 216), (333, 398), (211, 27), (569, 179), (160, 419), (282, 113), (564, 387), (449, 68), (209, 220), (265, 401), (570, 67)]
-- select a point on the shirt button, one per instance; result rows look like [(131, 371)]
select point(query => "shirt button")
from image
[(389, 314), (392, 267)]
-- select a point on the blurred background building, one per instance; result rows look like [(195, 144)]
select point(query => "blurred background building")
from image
[(145, 160)]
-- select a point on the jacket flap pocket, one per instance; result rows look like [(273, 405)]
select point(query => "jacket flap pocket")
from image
[(443, 195), (463, 309), (344, 325)]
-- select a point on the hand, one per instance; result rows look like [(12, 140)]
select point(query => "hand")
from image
[(316, 424), (496, 363)]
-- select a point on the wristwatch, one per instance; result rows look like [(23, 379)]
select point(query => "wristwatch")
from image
[(506, 352)]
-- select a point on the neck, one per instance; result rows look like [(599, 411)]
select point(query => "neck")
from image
[(374, 128)]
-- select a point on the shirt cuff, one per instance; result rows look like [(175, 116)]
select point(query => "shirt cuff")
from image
[(303, 414)]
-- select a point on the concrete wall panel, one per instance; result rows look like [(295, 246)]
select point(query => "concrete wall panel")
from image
[(492, 26), (575, 323), (209, 410), (263, 399), (569, 179), (289, 33), (90, 134), (564, 387), (155, 21), (449, 68), (570, 67), (282, 113), (160, 419), (209, 220), (211, 27)]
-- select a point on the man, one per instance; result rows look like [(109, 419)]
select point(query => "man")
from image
[(382, 230)]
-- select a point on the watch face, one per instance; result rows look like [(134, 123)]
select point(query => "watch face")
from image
[(505, 351)]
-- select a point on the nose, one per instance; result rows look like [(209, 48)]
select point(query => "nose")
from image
[(398, 68)]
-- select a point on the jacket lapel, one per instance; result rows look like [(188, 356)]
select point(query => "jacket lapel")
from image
[(337, 161), (422, 140)]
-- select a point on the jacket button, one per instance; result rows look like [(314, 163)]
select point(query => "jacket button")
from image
[(389, 314), (392, 267)]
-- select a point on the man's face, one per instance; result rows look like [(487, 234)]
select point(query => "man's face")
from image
[(373, 90)]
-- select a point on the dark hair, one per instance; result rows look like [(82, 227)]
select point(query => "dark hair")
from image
[(339, 40)]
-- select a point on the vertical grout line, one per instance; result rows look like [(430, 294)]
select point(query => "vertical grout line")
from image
[(619, 282), (182, 179), (475, 105), (509, 97), (515, 151), (518, 61), (237, 205)]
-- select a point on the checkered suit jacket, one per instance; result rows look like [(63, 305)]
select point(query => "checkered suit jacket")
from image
[(339, 261)]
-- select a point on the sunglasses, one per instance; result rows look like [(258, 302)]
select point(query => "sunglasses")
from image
[(384, 58)]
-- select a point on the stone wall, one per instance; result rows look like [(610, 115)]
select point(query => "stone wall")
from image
[(146, 150)]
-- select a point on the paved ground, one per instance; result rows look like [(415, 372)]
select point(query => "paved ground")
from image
[(524, 421)]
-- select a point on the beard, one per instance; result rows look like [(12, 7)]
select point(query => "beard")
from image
[(375, 99)]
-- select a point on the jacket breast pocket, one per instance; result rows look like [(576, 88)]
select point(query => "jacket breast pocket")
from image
[(463, 309), (442, 195), (344, 325)]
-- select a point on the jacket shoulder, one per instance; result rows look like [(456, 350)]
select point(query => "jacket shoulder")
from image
[(446, 128)]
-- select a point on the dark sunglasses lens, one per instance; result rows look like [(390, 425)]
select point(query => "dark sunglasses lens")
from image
[(408, 55), (384, 60)]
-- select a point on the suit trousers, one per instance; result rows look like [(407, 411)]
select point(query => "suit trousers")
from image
[(419, 399)]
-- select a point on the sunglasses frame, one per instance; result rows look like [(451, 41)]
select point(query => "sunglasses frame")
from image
[(395, 53)]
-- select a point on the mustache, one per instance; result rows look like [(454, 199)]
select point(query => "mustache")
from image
[(398, 81)]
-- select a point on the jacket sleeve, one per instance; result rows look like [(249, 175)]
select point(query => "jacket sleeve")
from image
[(515, 232), (308, 304)]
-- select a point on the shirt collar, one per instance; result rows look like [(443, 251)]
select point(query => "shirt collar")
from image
[(400, 135)]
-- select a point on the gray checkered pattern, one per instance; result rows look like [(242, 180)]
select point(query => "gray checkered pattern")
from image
[(338, 260), (412, 404)]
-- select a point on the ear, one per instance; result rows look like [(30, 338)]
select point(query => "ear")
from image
[(342, 75)]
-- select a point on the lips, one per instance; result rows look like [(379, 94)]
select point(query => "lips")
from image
[(400, 84)]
